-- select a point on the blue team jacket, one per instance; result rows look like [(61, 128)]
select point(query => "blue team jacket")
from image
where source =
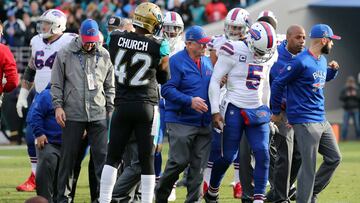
[(186, 82), (42, 118), (284, 57), (304, 77)]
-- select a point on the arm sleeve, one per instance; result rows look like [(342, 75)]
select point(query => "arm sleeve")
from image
[(164, 48), (170, 89), (223, 66), (10, 70), (290, 73), (331, 74), (57, 82), (38, 115), (109, 88)]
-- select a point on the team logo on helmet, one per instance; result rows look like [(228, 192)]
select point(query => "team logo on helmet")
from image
[(57, 13), (255, 34)]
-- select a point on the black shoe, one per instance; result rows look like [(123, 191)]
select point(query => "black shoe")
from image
[(272, 197), (211, 199), (292, 194), (246, 199)]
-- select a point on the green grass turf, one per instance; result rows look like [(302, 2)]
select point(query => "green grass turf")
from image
[(15, 167)]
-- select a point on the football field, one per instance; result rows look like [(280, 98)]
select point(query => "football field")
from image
[(15, 168)]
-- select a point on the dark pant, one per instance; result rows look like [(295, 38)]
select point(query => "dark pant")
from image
[(70, 152), (189, 146), (46, 171), (125, 188), (287, 162), (132, 118)]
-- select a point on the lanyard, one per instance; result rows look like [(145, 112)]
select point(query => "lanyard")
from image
[(82, 63)]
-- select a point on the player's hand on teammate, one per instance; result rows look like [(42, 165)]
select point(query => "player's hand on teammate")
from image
[(218, 121), (273, 128), (41, 141), (60, 116), (276, 118), (199, 105), (334, 65)]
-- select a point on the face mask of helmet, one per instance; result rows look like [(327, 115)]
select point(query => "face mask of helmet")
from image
[(233, 32), (172, 34), (44, 29)]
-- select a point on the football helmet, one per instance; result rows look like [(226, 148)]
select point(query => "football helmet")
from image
[(268, 16), (262, 41), (236, 24), (173, 26), (51, 22), (148, 16)]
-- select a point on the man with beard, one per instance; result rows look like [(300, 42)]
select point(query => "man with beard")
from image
[(305, 78)]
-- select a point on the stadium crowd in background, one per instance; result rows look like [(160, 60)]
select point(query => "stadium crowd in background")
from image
[(20, 16)]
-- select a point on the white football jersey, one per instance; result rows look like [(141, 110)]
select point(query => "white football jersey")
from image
[(43, 55), (247, 83), (177, 46), (216, 42)]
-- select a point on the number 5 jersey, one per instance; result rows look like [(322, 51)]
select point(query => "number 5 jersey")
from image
[(43, 55), (247, 83)]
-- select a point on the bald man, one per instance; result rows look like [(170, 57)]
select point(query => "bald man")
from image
[(37, 199), (288, 160)]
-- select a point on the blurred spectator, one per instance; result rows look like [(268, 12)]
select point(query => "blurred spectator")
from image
[(14, 30), (118, 10), (183, 10), (30, 31), (2, 11), (35, 11), (129, 8), (198, 13), (106, 7), (20, 9), (350, 96), (215, 11), (171, 4), (72, 25)]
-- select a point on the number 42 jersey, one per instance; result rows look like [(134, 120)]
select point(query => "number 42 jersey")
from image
[(43, 55), (136, 61)]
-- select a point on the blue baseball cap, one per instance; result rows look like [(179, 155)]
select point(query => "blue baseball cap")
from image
[(89, 31), (197, 34), (323, 30)]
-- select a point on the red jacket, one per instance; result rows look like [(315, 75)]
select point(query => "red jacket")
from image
[(7, 67)]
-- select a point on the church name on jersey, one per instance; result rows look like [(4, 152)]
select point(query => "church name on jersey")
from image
[(133, 44)]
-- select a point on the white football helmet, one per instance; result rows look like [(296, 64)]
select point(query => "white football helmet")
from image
[(262, 41), (263, 15), (55, 20), (173, 27), (236, 24)]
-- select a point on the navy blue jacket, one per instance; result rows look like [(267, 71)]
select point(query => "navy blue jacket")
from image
[(304, 77), (42, 118), (186, 82), (284, 57)]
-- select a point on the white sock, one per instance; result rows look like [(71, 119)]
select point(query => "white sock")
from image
[(207, 172), (258, 201), (33, 168), (147, 188), (236, 176), (107, 182)]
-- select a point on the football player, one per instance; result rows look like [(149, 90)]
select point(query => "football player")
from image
[(245, 107), (44, 46), (141, 62)]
